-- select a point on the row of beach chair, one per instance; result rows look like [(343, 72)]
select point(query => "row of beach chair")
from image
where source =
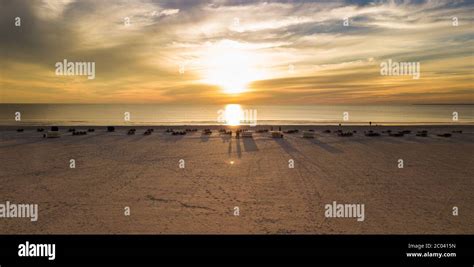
[(54, 132)]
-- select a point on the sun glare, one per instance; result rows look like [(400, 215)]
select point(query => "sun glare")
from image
[(233, 114), (231, 67)]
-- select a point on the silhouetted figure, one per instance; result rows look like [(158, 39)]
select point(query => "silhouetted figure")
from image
[(370, 123)]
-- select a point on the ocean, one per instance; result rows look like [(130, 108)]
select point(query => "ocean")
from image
[(158, 114)]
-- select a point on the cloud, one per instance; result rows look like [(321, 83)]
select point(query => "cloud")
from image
[(168, 12), (141, 60)]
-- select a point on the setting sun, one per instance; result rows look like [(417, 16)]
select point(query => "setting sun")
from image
[(233, 114), (231, 67)]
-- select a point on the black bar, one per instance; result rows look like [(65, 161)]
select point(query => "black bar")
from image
[(220, 250)]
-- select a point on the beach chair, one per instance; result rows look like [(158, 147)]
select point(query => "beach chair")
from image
[(345, 134), (423, 133), (276, 134), (399, 134), (371, 133), (52, 134), (444, 135), (248, 134), (79, 133), (226, 132), (308, 134), (179, 132)]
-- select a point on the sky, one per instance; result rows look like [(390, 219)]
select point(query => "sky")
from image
[(235, 51)]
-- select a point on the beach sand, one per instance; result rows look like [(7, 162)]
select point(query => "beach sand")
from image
[(114, 171)]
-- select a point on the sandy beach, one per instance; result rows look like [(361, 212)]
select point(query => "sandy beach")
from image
[(115, 170)]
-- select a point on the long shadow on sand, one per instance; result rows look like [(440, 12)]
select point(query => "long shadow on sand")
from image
[(325, 146), (174, 138), (225, 138), (386, 139), (40, 139), (285, 145), (68, 138), (238, 148), (229, 149), (419, 140), (135, 138), (249, 145), (392, 140), (204, 137)]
